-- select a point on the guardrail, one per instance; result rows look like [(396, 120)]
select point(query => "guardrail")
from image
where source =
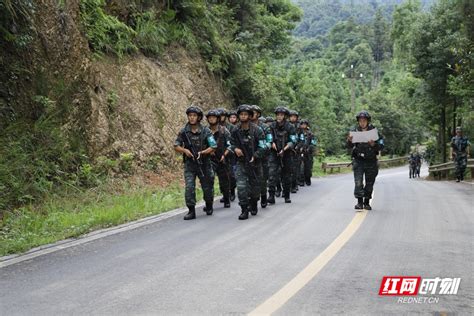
[(384, 162), (441, 171)]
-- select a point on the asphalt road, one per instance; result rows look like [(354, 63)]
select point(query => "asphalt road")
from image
[(218, 265)]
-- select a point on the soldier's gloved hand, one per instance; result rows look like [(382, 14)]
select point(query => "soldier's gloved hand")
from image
[(281, 153), (239, 152), (188, 153)]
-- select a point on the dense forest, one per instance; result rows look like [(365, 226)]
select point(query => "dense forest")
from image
[(408, 62)]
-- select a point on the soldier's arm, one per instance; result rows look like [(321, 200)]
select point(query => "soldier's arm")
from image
[(211, 142), (291, 139), (261, 145), (179, 145), (227, 143), (269, 138)]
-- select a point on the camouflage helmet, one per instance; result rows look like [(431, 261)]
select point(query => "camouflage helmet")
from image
[(363, 113), (214, 112), (245, 108), (269, 119), (458, 129), (195, 109), (222, 111), (304, 121), (231, 112), (257, 109), (293, 112), (261, 119), (282, 109)]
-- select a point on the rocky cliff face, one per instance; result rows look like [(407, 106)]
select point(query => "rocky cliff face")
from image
[(137, 105), (131, 105)]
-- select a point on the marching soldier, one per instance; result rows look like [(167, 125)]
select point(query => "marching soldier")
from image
[(306, 152), (364, 162), (257, 112), (460, 152), (218, 158), (294, 116), (196, 143), (248, 144), (223, 115), (232, 117), (280, 160)]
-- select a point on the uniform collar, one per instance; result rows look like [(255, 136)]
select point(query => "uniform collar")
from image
[(188, 128)]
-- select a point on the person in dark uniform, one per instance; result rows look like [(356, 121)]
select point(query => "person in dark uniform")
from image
[(257, 112), (280, 160), (248, 144), (220, 165), (307, 146), (196, 143), (295, 171), (364, 162), (460, 152)]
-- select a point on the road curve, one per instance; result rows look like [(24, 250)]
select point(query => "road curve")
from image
[(218, 265)]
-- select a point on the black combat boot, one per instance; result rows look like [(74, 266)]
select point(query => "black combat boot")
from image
[(222, 200), (278, 193), (191, 213), (226, 201), (271, 198), (293, 189), (367, 204), (245, 213), (253, 207), (263, 200), (232, 195), (360, 204), (287, 198), (308, 181), (208, 208)]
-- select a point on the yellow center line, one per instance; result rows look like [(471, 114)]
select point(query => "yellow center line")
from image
[(278, 299)]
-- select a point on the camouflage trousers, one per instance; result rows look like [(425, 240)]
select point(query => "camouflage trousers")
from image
[(280, 169), (306, 168), (265, 175), (460, 164), (295, 170), (369, 169), (232, 163), (191, 171), (247, 181), (222, 171)]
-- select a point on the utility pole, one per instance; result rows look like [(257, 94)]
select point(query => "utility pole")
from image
[(353, 77)]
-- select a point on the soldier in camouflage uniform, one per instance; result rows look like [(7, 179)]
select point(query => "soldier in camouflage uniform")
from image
[(232, 117), (230, 158), (218, 158), (257, 112), (364, 162), (280, 160), (306, 152), (248, 144), (460, 152), (196, 143), (295, 171)]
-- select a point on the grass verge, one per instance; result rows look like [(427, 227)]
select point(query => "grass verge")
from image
[(78, 213)]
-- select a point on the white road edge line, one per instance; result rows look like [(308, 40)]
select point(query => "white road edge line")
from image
[(63, 244)]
